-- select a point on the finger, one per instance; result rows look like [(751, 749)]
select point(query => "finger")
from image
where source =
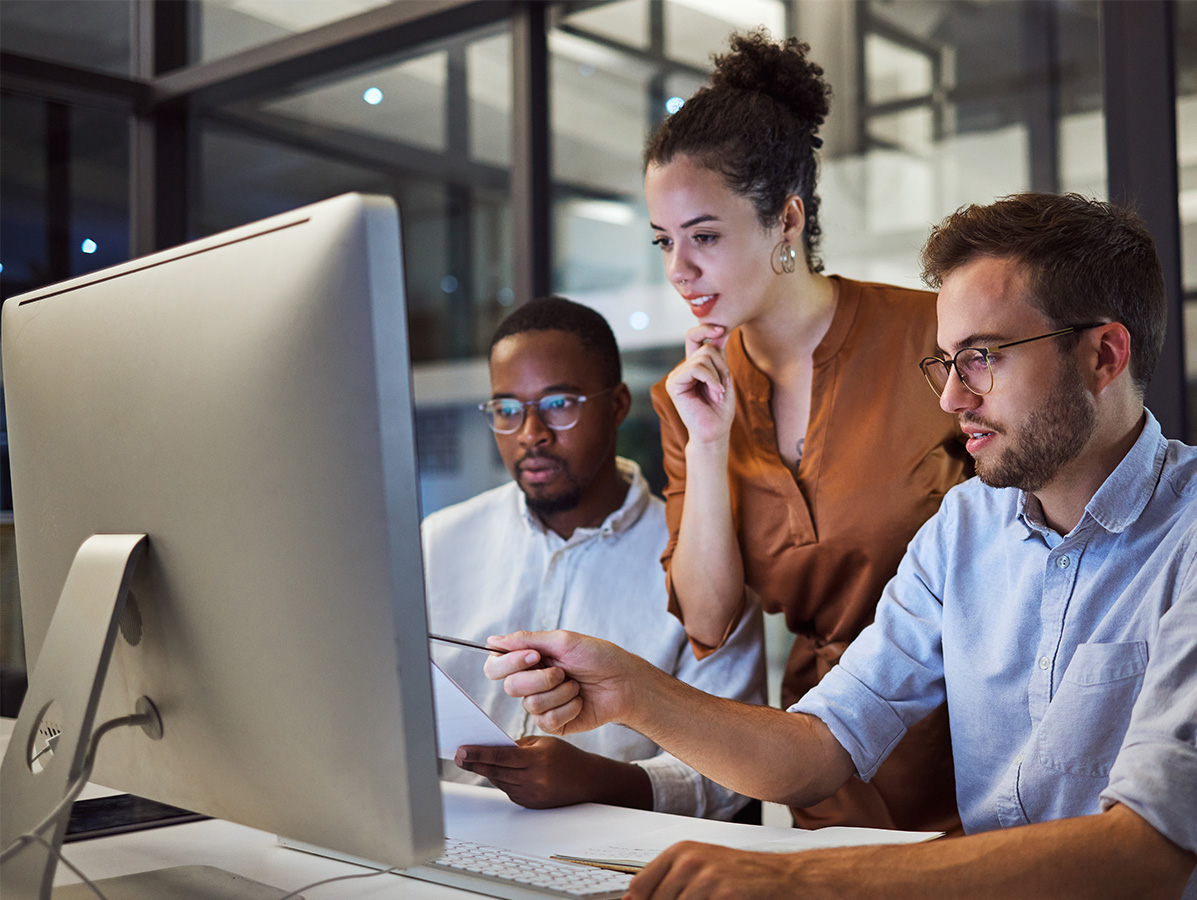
[(496, 775), (533, 681), (499, 666), (502, 757), (672, 874), (705, 333), (541, 702), (556, 721), (650, 878), (700, 369)]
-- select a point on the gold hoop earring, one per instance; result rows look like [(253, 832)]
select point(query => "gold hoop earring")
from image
[(784, 260)]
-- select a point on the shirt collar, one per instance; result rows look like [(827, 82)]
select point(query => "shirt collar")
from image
[(1124, 495), (621, 520)]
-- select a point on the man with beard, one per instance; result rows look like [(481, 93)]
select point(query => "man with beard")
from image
[(573, 541), (1051, 602)]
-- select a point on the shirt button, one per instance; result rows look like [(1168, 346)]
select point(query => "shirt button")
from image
[(1043, 662), (1063, 562)]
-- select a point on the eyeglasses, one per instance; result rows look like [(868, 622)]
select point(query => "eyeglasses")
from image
[(559, 412), (972, 363)]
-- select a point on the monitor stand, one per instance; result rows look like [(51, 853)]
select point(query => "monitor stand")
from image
[(64, 691)]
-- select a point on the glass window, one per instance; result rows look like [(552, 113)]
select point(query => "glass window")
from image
[(86, 33), (65, 183), (225, 27), (625, 22), (404, 103), (694, 29), (960, 101), (431, 129)]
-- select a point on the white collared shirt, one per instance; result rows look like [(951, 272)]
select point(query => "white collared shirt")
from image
[(492, 567)]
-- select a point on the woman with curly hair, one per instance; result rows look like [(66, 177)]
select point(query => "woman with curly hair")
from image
[(802, 446)]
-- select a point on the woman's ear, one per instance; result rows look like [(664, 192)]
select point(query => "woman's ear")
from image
[(793, 219)]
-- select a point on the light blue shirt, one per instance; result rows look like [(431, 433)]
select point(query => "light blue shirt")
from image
[(1069, 664)]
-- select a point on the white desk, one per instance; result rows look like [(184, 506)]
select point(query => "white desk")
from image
[(472, 813), (479, 814)]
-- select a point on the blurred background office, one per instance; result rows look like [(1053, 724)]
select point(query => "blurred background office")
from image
[(510, 134)]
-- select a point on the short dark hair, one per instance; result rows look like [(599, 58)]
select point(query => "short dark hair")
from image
[(756, 124), (558, 314), (1084, 259)]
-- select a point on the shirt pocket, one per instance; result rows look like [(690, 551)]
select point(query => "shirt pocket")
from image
[(1086, 721)]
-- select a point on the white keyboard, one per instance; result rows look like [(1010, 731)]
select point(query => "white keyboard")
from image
[(514, 876)]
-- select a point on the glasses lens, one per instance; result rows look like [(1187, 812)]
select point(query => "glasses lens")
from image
[(504, 416), (560, 410), (936, 372), (973, 366)]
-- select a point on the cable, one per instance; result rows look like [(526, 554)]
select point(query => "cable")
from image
[(76, 787), (34, 834), (29, 838), (307, 887)]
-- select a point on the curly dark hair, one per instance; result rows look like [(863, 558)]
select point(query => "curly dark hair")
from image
[(756, 124), (1085, 259), (559, 314)]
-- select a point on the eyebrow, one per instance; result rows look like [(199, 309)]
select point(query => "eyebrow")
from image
[(560, 388), (982, 340), (690, 223)]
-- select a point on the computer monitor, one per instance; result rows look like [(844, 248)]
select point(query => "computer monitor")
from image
[(245, 402)]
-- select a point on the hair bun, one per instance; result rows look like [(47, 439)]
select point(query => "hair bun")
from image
[(778, 70)]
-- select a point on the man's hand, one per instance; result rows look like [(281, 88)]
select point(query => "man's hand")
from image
[(544, 772), (569, 682), (690, 871), (1107, 856)]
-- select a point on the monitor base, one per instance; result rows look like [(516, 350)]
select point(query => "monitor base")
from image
[(178, 883)]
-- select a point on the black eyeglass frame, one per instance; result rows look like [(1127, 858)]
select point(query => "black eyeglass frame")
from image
[(950, 364), (487, 408)]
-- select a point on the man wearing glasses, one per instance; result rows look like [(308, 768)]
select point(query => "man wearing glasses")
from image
[(1052, 602), (573, 541)]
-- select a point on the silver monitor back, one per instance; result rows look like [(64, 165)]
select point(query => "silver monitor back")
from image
[(245, 401)]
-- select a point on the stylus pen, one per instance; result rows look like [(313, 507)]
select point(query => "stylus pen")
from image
[(463, 643)]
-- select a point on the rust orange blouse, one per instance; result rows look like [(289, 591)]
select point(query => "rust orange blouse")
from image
[(819, 545)]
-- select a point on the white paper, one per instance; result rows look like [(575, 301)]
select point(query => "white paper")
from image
[(765, 839), (459, 720)]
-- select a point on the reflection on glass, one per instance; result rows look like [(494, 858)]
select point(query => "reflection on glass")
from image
[(622, 21), (896, 72), (230, 26), (489, 78), (694, 29), (404, 102), (65, 184), (78, 32)]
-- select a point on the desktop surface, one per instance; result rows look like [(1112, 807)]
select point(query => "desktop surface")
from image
[(479, 814)]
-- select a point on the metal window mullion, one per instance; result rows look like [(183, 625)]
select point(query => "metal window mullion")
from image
[(1139, 78), (530, 155)]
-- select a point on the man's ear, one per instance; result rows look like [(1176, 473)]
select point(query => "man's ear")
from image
[(1105, 355), (621, 399)]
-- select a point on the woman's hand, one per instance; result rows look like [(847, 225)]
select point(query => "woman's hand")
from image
[(701, 386)]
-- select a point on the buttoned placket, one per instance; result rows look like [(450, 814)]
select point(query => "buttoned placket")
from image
[(1059, 579), (550, 596)]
